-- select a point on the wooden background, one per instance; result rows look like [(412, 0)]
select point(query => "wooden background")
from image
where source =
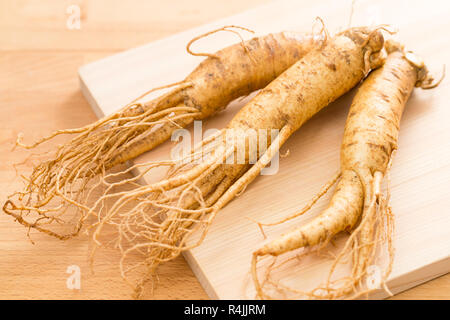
[(39, 93)]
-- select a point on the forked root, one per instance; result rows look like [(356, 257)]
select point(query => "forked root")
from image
[(373, 234)]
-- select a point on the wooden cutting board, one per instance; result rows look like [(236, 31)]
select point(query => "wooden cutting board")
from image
[(420, 184)]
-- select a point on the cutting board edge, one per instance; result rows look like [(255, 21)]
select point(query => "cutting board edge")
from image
[(424, 273), (396, 285), (89, 96), (200, 275), (414, 278)]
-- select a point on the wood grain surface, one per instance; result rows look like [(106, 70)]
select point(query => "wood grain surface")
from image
[(39, 92)]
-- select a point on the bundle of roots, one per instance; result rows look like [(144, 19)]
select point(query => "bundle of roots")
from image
[(57, 191), (162, 219), (64, 180)]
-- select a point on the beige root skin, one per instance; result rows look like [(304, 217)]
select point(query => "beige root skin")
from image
[(370, 138), (60, 184), (164, 215), (342, 214)]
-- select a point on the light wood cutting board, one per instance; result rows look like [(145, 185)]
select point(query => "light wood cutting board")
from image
[(420, 185)]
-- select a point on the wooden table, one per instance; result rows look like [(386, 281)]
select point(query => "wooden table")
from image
[(39, 93)]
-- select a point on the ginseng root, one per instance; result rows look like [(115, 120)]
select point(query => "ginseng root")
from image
[(157, 220), (370, 139), (61, 181)]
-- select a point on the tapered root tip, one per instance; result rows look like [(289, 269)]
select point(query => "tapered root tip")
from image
[(22, 221), (260, 226)]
